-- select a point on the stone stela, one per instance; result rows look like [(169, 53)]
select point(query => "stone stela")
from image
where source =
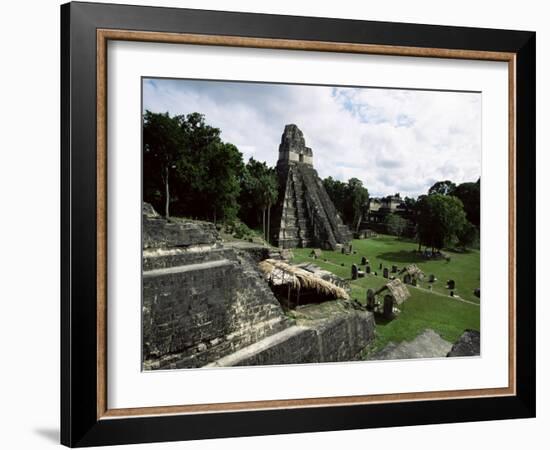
[(304, 215)]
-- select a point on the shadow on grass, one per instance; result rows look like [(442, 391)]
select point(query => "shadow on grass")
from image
[(381, 320), (460, 251), (403, 256)]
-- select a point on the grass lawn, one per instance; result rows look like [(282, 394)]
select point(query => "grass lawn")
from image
[(436, 309)]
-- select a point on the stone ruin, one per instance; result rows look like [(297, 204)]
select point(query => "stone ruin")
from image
[(468, 344), (205, 303), (411, 274), (394, 293), (297, 284), (304, 215), (429, 344)]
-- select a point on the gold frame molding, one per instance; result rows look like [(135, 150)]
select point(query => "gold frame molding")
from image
[(105, 35)]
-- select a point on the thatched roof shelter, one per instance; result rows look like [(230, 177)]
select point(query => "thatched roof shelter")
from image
[(324, 274), (316, 252), (279, 273), (397, 290), (413, 270)]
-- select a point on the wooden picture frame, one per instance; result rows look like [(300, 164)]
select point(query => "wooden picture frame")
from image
[(86, 418)]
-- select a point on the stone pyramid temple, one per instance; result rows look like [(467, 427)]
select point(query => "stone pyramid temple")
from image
[(304, 215)]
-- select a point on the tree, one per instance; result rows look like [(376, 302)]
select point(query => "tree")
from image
[(259, 192), (469, 194), (440, 220), (348, 198), (221, 187), (467, 235), (442, 187), (163, 145), (186, 158), (410, 203), (269, 197), (357, 197), (395, 224), (210, 173), (337, 191)]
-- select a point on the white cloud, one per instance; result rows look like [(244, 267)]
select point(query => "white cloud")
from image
[(393, 140)]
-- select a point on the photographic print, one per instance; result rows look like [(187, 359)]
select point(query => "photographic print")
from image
[(304, 208), (291, 224)]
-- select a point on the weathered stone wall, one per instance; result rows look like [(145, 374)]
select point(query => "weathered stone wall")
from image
[(205, 303), (330, 332), (344, 336), (304, 215), (196, 313), (293, 146), (256, 252), (177, 233), (201, 300), (468, 344)]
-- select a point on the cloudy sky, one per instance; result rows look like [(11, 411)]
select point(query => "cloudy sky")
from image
[(393, 140)]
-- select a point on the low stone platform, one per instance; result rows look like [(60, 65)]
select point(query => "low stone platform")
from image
[(329, 332), (427, 344), (201, 299), (206, 303), (467, 345), (257, 252)]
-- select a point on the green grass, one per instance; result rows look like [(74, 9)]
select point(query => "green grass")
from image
[(425, 309)]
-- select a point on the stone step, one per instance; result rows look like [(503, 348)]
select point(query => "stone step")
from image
[(161, 233), (205, 352), (292, 229), (164, 258), (265, 345), (185, 307), (289, 243), (328, 332), (187, 268)]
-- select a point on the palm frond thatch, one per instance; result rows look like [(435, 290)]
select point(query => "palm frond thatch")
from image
[(413, 270), (397, 289), (280, 273)]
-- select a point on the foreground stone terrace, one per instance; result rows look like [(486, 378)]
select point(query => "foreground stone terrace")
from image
[(205, 303)]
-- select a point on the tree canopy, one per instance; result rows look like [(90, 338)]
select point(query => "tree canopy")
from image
[(468, 235), (410, 203), (189, 168), (469, 194), (259, 192), (440, 220), (395, 224), (349, 199), (442, 187), (163, 146)]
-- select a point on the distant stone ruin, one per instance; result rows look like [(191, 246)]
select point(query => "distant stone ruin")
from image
[(304, 215)]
